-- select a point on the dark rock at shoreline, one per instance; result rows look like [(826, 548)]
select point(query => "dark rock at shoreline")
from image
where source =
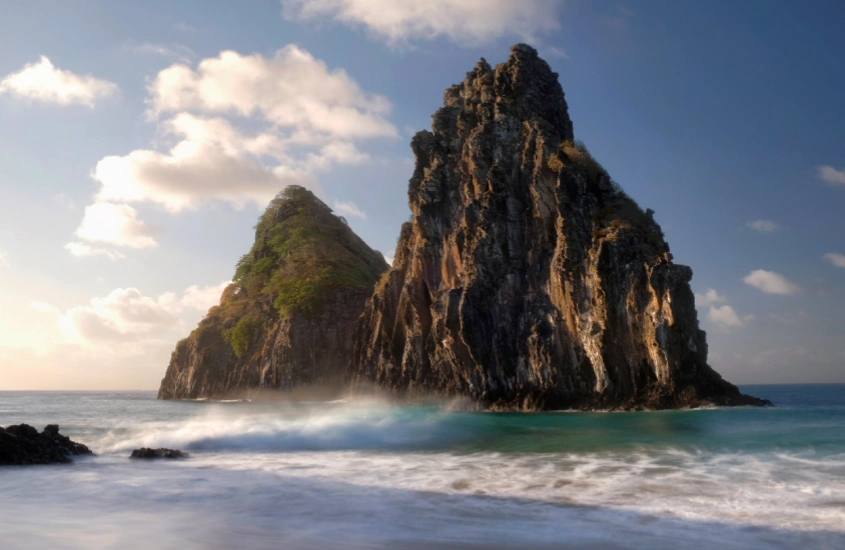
[(22, 444), (146, 452), (526, 278)]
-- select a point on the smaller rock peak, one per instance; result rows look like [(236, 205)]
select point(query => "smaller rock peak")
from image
[(525, 86), (483, 67), (520, 51)]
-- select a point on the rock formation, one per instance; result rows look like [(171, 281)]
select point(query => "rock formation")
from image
[(286, 321), (147, 452), (22, 444), (527, 279)]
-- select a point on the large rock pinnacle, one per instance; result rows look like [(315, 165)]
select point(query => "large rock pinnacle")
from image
[(527, 279)]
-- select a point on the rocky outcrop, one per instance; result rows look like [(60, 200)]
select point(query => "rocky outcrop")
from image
[(146, 452), (22, 444), (286, 322), (527, 279)]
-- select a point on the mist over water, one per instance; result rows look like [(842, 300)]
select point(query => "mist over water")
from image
[(368, 474)]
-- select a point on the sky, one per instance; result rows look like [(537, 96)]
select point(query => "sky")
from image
[(141, 140)]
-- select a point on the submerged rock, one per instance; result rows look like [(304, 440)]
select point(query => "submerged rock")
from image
[(526, 278), (286, 322), (146, 452), (22, 444)]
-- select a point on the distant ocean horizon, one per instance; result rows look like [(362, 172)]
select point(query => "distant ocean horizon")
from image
[(370, 474), (744, 388)]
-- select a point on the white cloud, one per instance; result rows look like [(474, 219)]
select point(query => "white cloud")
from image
[(82, 250), (43, 307), (763, 226), (116, 224), (388, 259), (240, 128), (175, 50), (4, 260), (197, 170), (122, 315), (349, 209), (725, 317), (831, 175), (290, 90), (771, 282), (462, 21), (203, 298), (835, 258), (709, 298), (126, 316), (42, 81)]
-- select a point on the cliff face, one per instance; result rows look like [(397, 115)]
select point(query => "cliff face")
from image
[(286, 322), (527, 279)]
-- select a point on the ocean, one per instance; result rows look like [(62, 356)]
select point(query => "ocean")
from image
[(371, 475)]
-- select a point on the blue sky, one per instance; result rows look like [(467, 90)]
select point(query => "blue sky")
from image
[(142, 139)]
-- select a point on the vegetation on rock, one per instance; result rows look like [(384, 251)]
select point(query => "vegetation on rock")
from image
[(306, 272)]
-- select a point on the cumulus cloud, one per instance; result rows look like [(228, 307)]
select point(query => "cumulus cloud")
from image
[(211, 162), (709, 298), (771, 282), (388, 259), (116, 224), (291, 90), (127, 316), (122, 315), (462, 21), (202, 298), (725, 317), (835, 258), (832, 176), (43, 307), (238, 129), (349, 209), (763, 226), (43, 82), (82, 250)]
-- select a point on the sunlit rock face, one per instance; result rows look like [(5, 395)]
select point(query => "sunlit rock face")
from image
[(286, 322), (526, 278)]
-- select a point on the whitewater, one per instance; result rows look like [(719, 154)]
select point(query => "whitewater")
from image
[(370, 474)]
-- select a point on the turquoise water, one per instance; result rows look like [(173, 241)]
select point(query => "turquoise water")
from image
[(368, 474)]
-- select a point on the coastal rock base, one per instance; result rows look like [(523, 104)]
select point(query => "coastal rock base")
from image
[(22, 444)]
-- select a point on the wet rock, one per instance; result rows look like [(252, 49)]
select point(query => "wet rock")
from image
[(527, 279), (22, 444), (146, 452)]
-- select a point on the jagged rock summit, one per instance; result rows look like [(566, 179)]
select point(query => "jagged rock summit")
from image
[(527, 279), (286, 321)]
